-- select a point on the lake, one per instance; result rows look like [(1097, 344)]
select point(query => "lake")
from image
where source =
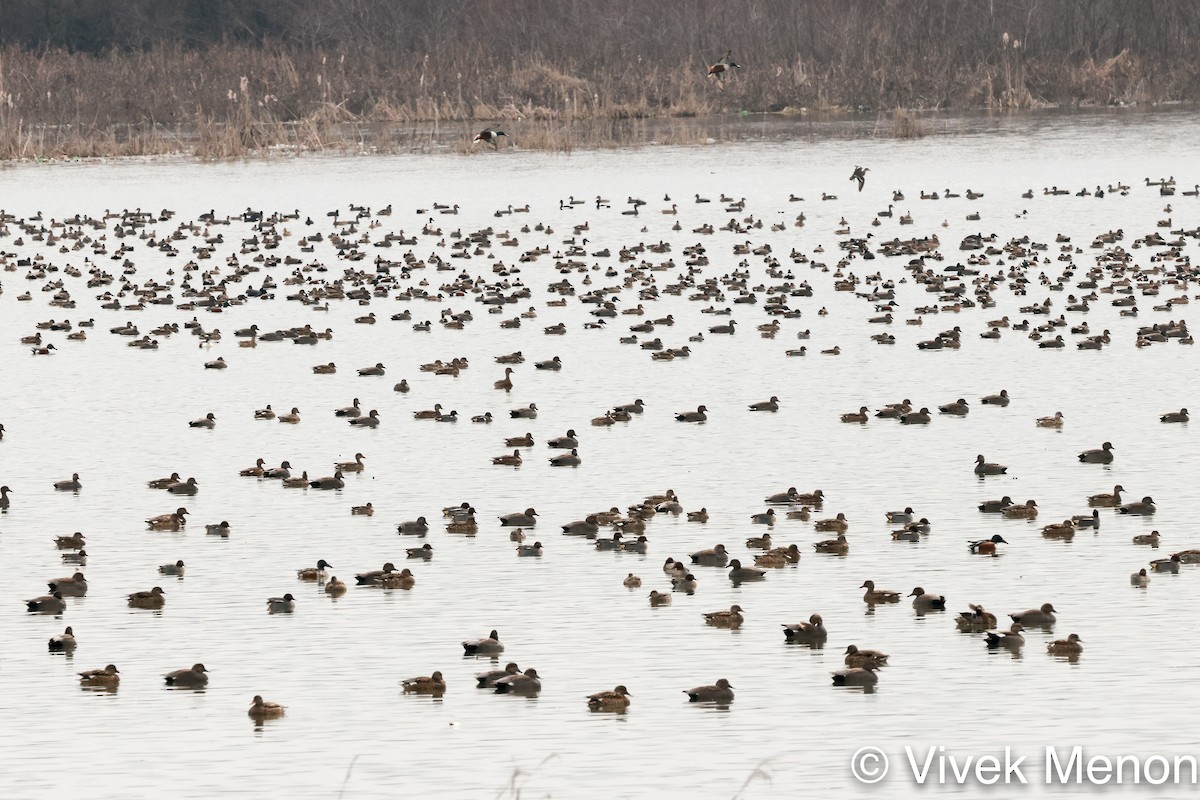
[(119, 417)]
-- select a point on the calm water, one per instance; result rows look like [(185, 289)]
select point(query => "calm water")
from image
[(118, 416)]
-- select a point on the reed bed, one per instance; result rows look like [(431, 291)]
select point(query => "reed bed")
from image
[(309, 75)]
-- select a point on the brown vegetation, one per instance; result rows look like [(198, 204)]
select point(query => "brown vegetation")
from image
[(139, 78)]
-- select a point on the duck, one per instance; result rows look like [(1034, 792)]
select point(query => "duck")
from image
[(433, 684), (1175, 416), (526, 518), (900, 516), (352, 410), (658, 598), (74, 586), (875, 596), (209, 421), (858, 658), (570, 459), (783, 498), (1151, 538), (417, 527), (1107, 500), (838, 523), (424, 552), (63, 642), (529, 412), (698, 516), (157, 483), (284, 470), (714, 557), (487, 680), (685, 583), (765, 518), (721, 692), (1145, 507), (155, 598), (760, 542), (372, 578), (505, 383), (915, 417), (488, 645), (1051, 422), (1139, 579), (108, 676), (864, 677), (351, 466), (567, 442), (52, 603), (861, 416), (740, 574), (1071, 646), (433, 413), (177, 569), (1101, 456), (1045, 615), (221, 528), (1170, 565), (699, 415), (977, 620), (72, 485), (264, 709), (986, 547), (371, 420), (1027, 511), (530, 550), (194, 677), (811, 631), (766, 405), (725, 619), (616, 700), (982, 467), (316, 573), (375, 371), (589, 527), (839, 546), (526, 682), (73, 542), (281, 605), (335, 587), (188, 487), (958, 408), (1011, 638), (300, 482), (333, 482), (404, 579), (169, 522), (927, 601)]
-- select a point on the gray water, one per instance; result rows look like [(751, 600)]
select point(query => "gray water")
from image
[(118, 416)]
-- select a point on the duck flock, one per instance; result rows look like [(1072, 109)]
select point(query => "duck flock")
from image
[(636, 302)]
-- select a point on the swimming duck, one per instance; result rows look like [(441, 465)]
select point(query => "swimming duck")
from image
[(986, 547), (157, 483), (73, 485), (856, 676), (221, 528), (352, 410), (374, 371), (977, 620), (740, 574), (424, 552), (839, 546), (658, 598), (334, 482), (526, 518), (417, 527), (107, 676), (177, 569), (982, 467), (721, 692), (1151, 538), (1145, 507), (152, 599), (372, 578), (838, 523), (927, 601), (725, 619), (316, 573), (209, 421), (1011, 638), (169, 522), (812, 631), (1071, 646), (1140, 579), (1107, 500), (1027, 511), (1175, 416), (335, 587), (487, 680), (567, 442), (874, 596), (63, 642), (958, 408), (281, 605), (1051, 422), (530, 550), (860, 658), (404, 579), (195, 677), (433, 684), (566, 459), (530, 412), (264, 709), (1170, 565), (526, 682), (371, 420), (184, 487), (996, 506), (714, 557), (488, 645), (1036, 616), (1102, 456), (861, 416), (616, 700), (698, 415), (52, 603), (73, 542), (766, 405)]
